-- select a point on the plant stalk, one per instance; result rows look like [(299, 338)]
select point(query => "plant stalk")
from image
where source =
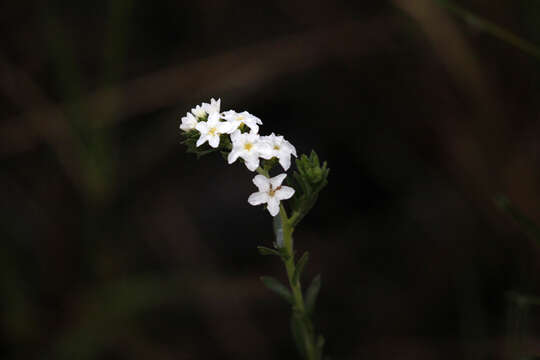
[(299, 308)]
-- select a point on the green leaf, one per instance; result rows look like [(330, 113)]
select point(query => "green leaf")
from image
[(312, 293), (277, 287), (300, 267), (267, 251)]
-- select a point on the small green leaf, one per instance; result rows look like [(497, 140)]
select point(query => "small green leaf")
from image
[(312, 293), (277, 287), (267, 251), (300, 267)]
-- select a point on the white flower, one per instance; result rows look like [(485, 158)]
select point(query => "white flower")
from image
[(213, 107), (188, 122), (200, 111), (270, 192), (248, 147), (280, 148), (239, 119), (211, 130)]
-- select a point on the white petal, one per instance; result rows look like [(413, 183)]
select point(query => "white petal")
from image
[(252, 162), (284, 193), (227, 127), (213, 119), (214, 141), (216, 104), (265, 150), (253, 137), (253, 127), (277, 180), (212, 107), (258, 198), (293, 151), (202, 127), (186, 126), (228, 115), (233, 155), (285, 161), (262, 182), (188, 122), (201, 140), (198, 111), (235, 136), (273, 206), (289, 147)]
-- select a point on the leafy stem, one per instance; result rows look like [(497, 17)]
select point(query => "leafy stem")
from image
[(301, 321), (309, 345)]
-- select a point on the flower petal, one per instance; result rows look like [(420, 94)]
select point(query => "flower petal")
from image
[(258, 198), (214, 141), (233, 155), (277, 180), (213, 119), (253, 127), (226, 127), (293, 149), (202, 127), (188, 122), (252, 162), (265, 150), (201, 140), (262, 182), (235, 136), (273, 206), (284, 193), (285, 161)]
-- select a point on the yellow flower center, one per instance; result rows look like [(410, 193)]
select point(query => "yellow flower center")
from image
[(248, 146), (276, 147), (271, 192), (212, 131)]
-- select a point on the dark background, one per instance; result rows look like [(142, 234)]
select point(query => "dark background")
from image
[(116, 244)]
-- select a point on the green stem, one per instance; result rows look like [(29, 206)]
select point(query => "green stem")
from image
[(299, 307), (296, 287)]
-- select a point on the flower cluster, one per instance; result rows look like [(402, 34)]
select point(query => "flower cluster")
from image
[(238, 133)]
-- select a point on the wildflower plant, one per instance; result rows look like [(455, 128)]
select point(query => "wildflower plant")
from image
[(206, 129)]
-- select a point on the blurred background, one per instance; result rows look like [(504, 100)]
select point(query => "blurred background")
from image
[(116, 244)]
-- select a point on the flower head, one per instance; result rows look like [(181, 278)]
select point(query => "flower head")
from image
[(213, 106), (206, 109), (188, 122), (199, 112), (280, 148), (211, 130), (243, 118), (248, 147), (271, 192)]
